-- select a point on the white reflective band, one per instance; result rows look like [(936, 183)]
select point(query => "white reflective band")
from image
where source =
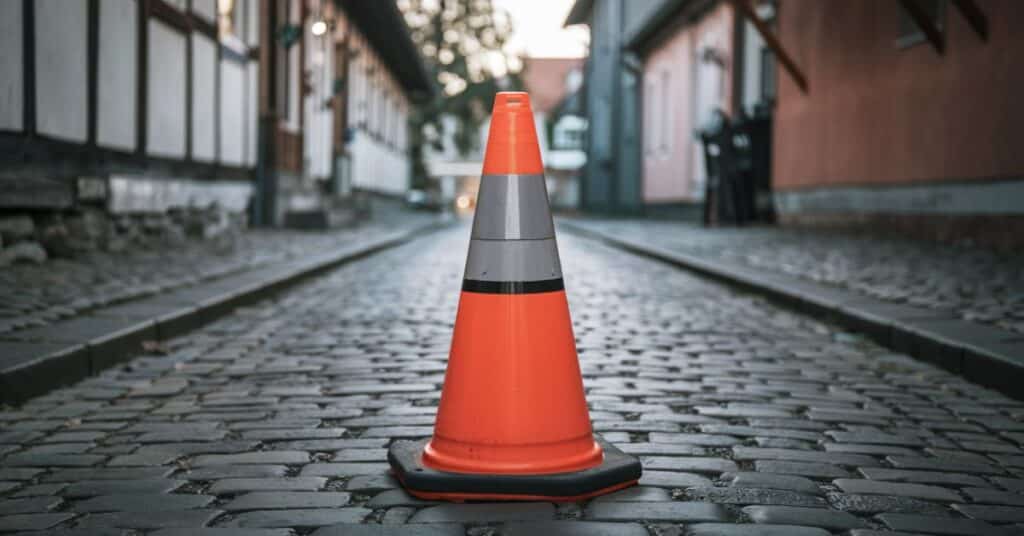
[(513, 260), (512, 207)]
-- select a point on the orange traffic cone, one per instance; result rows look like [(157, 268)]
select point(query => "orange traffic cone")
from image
[(513, 421)]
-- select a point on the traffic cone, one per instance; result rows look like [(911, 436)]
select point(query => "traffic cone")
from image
[(513, 422)]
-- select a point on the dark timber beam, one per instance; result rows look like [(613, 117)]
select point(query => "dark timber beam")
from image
[(975, 17), (744, 8), (925, 23)]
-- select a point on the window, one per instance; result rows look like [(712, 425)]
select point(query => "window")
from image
[(651, 120), (910, 34), (665, 114)]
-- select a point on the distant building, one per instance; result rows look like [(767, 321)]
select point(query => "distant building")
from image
[(611, 103), (194, 114), (553, 84), (342, 120), (895, 116), (657, 72)]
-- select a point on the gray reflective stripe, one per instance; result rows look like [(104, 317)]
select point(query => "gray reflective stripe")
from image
[(512, 260), (512, 207)]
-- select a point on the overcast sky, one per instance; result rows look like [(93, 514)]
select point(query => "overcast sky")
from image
[(539, 32)]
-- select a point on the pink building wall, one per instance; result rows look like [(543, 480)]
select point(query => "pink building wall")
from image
[(671, 89), (878, 114)]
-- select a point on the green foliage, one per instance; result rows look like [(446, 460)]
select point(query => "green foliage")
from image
[(462, 44)]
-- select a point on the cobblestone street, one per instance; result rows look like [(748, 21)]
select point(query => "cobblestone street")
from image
[(976, 284), (31, 296), (749, 419)]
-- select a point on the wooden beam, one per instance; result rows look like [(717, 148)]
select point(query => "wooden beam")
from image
[(142, 77), (92, 73), (28, 50), (925, 24), (744, 8), (975, 17)]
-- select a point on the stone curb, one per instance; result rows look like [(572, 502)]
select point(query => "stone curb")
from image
[(183, 310), (989, 356)]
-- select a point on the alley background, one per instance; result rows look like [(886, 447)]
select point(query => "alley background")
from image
[(792, 230)]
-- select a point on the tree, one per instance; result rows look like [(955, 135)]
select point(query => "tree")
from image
[(462, 43)]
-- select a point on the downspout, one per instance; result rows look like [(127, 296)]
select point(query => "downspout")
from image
[(613, 178)]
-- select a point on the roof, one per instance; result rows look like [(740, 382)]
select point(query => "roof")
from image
[(544, 79), (579, 13), (642, 34), (384, 27)]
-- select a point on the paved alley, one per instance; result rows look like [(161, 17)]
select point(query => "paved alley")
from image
[(749, 419)]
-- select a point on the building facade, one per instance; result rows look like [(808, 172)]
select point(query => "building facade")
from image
[(157, 116), (900, 132), (658, 72), (611, 102), (128, 109), (338, 100), (894, 116)]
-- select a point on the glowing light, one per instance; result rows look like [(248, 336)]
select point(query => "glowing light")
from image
[(462, 202), (319, 28)]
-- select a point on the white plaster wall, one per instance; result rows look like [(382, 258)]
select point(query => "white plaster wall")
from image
[(252, 22), (116, 74), (319, 121), (252, 113), (61, 76), (204, 98), (206, 9), (165, 104), (232, 112), (12, 101), (377, 167)]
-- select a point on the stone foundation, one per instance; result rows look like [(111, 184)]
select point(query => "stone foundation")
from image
[(1004, 232), (34, 237)]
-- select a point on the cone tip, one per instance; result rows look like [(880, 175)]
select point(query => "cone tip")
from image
[(511, 101), (512, 146)]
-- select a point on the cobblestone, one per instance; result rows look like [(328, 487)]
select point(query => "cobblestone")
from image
[(749, 419), (656, 511), (794, 515), (298, 518), (287, 500), (32, 296), (973, 283), (572, 528)]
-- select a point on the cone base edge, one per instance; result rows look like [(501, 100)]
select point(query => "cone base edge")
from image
[(617, 471)]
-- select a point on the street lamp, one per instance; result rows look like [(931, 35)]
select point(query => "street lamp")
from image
[(319, 28)]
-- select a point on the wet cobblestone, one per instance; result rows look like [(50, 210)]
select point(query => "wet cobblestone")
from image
[(971, 283), (33, 295), (748, 418)]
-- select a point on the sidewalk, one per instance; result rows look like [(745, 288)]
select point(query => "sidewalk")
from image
[(66, 319), (960, 307)]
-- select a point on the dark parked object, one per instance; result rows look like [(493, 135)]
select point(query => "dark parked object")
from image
[(738, 159)]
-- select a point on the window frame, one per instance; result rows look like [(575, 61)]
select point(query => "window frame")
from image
[(907, 38)]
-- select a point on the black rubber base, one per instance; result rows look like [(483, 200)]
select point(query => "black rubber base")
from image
[(617, 470)]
